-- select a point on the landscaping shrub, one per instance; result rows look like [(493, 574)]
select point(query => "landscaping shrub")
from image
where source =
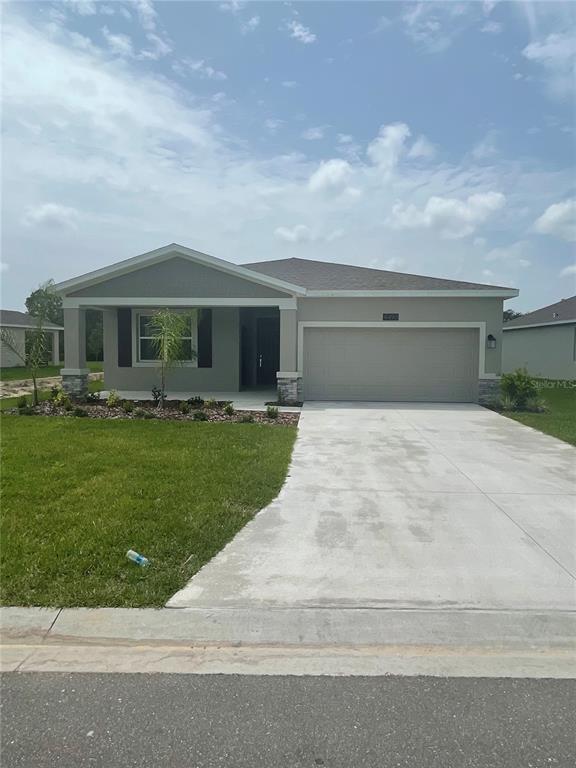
[(519, 387), (210, 403), (62, 399), (536, 405), (184, 408), (27, 410), (113, 399), (128, 406), (195, 402), (508, 403), (22, 402), (200, 416), (272, 411), (80, 412), (68, 406), (158, 395), (93, 397), (54, 389), (143, 413), (247, 418), (229, 409)]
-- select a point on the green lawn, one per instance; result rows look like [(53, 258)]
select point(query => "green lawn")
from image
[(77, 494), (560, 421), (15, 374)]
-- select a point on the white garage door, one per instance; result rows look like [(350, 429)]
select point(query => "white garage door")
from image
[(401, 364)]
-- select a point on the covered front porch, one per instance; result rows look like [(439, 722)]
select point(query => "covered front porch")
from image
[(242, 350)]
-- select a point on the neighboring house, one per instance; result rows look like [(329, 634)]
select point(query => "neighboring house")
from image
[(543, 341), (18, 324), (317, 330)]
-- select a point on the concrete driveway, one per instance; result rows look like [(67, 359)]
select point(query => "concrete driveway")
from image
[(407, 506)]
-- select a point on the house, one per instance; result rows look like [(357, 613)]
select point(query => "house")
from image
[(315, 330), (543, 341), (17, 324)]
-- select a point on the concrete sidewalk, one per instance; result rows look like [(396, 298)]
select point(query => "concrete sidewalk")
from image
[(290, 641)]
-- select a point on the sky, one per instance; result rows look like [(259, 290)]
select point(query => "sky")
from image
[(434, 138)]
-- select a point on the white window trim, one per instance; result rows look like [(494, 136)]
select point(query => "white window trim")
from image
[(394, 325), (136, 362)]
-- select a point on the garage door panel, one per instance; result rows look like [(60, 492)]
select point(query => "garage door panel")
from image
[(404, 364)]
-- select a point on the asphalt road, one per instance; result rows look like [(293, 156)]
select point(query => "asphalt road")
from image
[(193, 721)]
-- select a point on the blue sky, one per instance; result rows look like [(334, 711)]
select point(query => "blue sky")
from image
[(435, 138)]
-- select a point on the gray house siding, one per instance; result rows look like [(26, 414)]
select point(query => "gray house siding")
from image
[(223, 376), (179, 277), (548, 352), (423, 310)]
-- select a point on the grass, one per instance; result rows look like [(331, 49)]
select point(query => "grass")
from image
[(20, 373), (77, 494), (560, 421), (10, 402)]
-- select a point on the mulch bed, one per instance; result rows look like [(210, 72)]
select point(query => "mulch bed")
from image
[(149, 409)]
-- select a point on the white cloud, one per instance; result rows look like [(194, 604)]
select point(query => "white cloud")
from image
[(83, 7), (452, 218), (298, 234), (289, 84), (386, 150), (313, 134), (491, 28), (558, 220), (118, 43), (234, 6), (422, 148), (569, 271), (146, 14), (301, 33), (515, 255), (51, 215), (4, 266), (199, 68), (330, 176), (161, 47), (272, 124), (557, 55), (250, 25)]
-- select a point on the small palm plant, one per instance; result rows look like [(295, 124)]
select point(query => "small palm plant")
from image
[(168, 333), (33, 355)]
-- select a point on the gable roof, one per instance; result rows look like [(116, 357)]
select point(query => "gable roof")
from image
[(560, 313), (328, 276), (164, 254), (10, 318)]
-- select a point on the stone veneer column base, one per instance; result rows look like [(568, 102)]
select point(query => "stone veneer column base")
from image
[(289, 390), (75, 384), (488, 389)]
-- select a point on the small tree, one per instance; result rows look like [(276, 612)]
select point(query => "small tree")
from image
[(33, 355), (168, 330)]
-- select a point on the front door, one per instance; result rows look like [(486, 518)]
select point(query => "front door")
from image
[(267, 350)]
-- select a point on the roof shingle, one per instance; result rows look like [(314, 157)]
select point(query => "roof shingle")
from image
[(327, 276), (561, 312), (24, 320)]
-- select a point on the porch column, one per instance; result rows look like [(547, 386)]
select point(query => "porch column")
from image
[(75, 372), (289, 378), (55, 347)]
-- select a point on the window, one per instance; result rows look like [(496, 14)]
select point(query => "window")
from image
[(145, 342)]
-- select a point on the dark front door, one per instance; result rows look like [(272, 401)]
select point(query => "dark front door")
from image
[(267, 350)]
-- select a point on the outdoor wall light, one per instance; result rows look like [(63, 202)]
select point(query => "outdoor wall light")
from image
[(491, 341)]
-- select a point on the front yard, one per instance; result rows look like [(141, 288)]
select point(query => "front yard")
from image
[(21, 373), (560, 420), (78, 493)]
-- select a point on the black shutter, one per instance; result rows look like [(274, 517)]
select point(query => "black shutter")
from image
[(205, 338), (124, 338)]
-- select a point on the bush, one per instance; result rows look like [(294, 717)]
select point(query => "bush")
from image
[(210, 403), (128, 406), (113, 399), (26, 411), (68, 406), (54, 389), (158, 395), (80, 412), (519, 386), (143, 413), (536, 405), (229, 409), (184, 408), (247, 418), (61, 399), (272, 411), (195, 402), (200, 416), (22, 402), (93, 397), (508, 403)]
